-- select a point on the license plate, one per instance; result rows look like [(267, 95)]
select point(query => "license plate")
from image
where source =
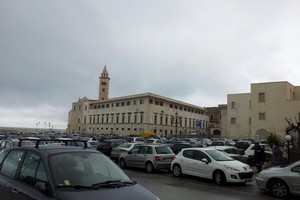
[(248, 180)]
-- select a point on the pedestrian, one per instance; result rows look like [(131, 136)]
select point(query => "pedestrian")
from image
[(276, 155), (259, 157)]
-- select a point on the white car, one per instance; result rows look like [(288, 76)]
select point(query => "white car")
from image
[(212, 164), (125, 147), (250, 150), (268, 151)]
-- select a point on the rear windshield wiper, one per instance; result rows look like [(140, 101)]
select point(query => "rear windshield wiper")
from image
[(113, 184)]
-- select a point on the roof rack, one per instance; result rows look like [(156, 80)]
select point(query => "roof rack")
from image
[(66, 142)]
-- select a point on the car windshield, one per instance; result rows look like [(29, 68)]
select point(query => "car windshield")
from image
[(125, 145), (84, 169), (163, 150), (218, 155)]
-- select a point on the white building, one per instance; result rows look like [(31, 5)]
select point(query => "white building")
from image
[(135, 113)]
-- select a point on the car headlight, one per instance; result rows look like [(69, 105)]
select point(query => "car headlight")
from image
[(230, 168), (261, 174)]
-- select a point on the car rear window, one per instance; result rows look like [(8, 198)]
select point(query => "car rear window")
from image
[(163, 150)]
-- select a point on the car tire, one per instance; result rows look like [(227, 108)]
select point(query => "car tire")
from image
[(122, 163), (149, 167), (279, 188), (219, 177), (177, 170)]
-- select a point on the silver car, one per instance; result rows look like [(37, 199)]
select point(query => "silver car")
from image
[(280, 181), (148, 156)]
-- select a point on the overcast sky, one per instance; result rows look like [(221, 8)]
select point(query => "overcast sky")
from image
[(53, 52)]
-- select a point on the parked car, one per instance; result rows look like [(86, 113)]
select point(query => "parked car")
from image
[(212, 164), (242, 144), (65, 173), (7, 143), (148, 156), (125, 147), (233, 152), (177, 147), (249, 152), (280, 181), (106, 146), (153, 141), (136, 139), (218, 142)]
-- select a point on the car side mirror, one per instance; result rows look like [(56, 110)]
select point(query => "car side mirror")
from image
[(205, 160), (42, 187)]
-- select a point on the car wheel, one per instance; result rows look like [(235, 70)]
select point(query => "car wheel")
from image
[(177, 170), (149, 167), (122, 163), (279, 188), (219, 177)]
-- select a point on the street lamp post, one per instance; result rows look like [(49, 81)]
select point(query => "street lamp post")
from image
[(288, 139), (176, 120), (36, 124)]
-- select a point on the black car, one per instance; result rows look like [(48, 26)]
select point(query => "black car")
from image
[(176, 148), (106, 146), (44, 172)]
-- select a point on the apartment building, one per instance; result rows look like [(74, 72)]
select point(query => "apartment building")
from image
[(262, 111), (134, 114)]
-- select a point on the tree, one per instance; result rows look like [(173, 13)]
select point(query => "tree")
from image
[(294, 126)]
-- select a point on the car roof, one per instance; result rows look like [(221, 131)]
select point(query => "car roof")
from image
[(222, 147), (45, 149)]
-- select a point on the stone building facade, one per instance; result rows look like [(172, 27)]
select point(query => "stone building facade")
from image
[(262, 111), (133, 114)]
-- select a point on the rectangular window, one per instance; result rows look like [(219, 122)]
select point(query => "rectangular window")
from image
[(123, 119), (103, 83), (135, 119), (129, 118), (249, 120), (128, 103), (141, 101), (155, 119), (233, 120), (261, 116), (261, 97), (74, 108), (112, 118), (232, 105), (142, 118), (161, 120)]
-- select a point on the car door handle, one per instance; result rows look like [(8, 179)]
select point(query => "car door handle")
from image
[(14, 190)]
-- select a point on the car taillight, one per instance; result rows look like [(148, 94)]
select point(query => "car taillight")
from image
[(157, 158), (173, 158), (105, 147)]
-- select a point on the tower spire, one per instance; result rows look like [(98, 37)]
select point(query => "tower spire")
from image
[(104, 84)]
